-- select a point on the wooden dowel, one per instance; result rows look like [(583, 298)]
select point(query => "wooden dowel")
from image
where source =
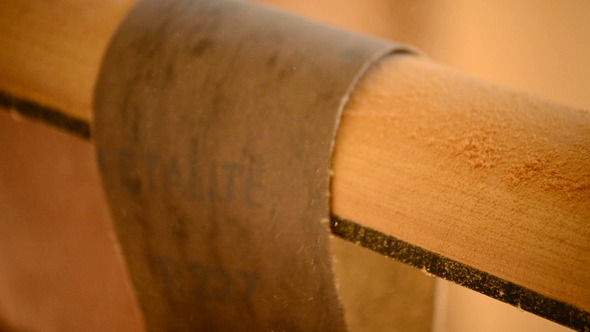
[(51, 50), (491, 178), (495, 179)]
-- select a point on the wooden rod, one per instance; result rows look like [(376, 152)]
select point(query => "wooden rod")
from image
[(51, 50), (495, 179), (491, 178)]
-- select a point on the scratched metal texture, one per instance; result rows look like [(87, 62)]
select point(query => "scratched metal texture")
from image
[(214, 122)]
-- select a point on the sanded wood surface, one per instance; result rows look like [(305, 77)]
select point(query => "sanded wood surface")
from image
[(492, 178), (488, 177), (51, 51)]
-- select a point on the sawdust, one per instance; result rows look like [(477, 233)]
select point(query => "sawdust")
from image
[(525, 142)]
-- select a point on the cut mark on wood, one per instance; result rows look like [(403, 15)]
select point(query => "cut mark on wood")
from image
[(51, 116), (461, 274)]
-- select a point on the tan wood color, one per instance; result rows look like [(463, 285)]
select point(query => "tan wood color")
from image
[(486, 176), (51, 51), (492, 178)]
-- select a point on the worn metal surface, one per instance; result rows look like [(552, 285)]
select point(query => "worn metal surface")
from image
[(214, 122)]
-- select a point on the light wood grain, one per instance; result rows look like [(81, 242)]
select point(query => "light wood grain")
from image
[(495, 179), (52, 82), (51, 51), (489, 177)]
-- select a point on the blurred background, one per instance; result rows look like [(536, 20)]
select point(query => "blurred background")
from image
[(55, 272)]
